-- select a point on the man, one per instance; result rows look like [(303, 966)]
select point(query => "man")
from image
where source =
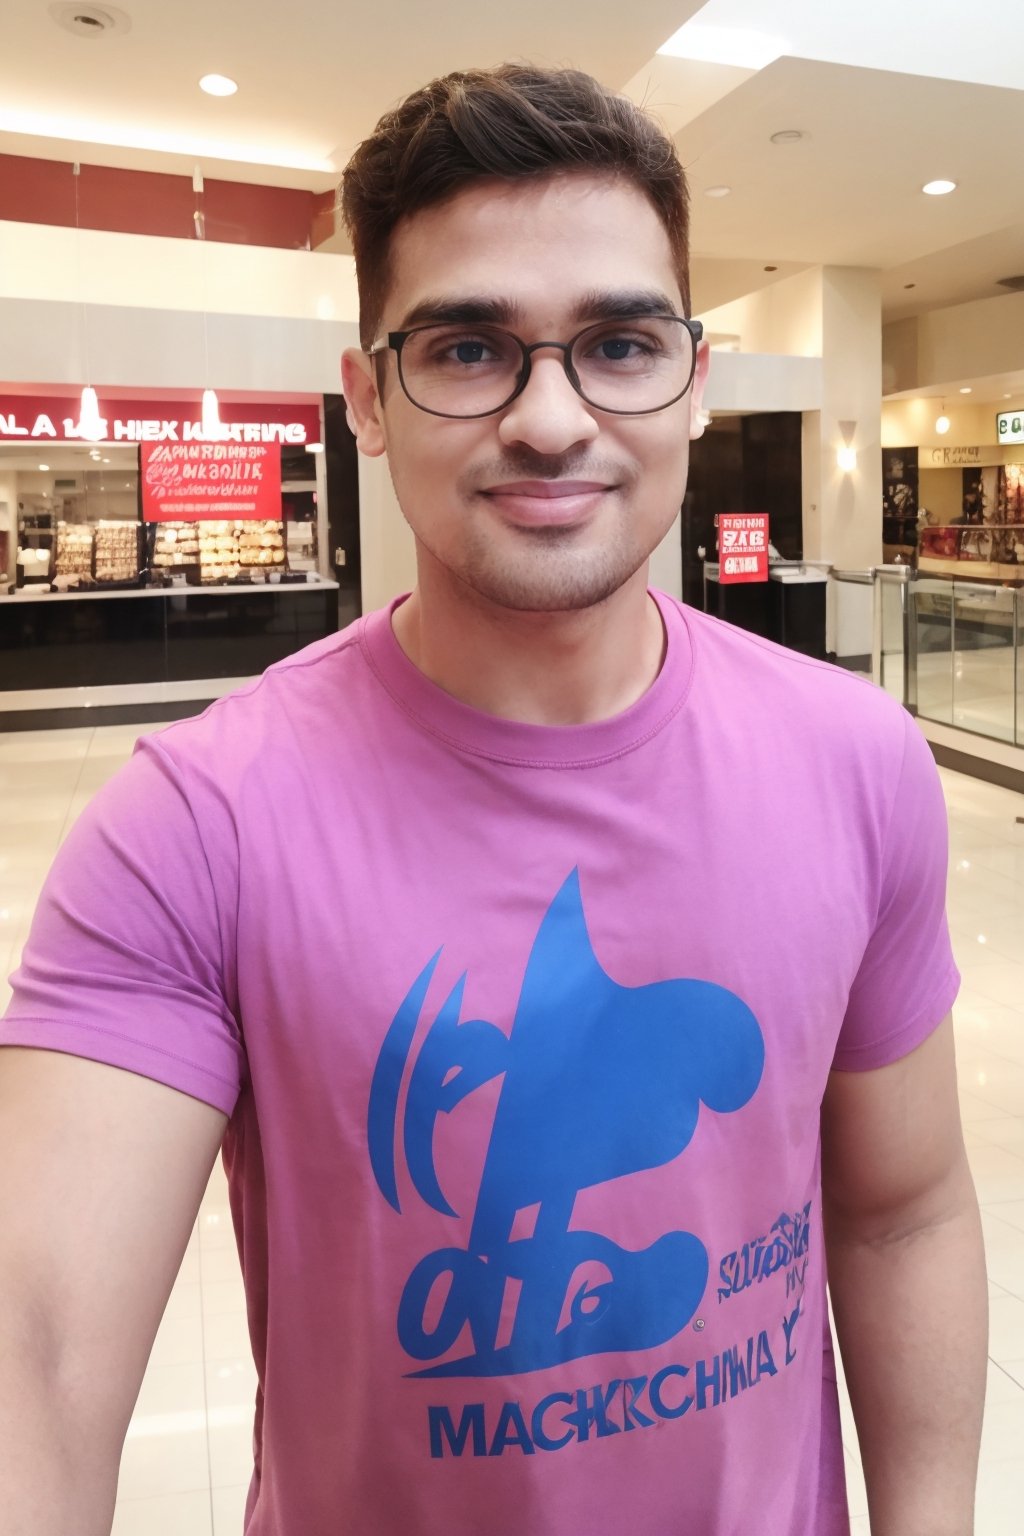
[(526, 932)]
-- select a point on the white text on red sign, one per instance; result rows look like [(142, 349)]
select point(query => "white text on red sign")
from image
[(144, 430), (744, 538)]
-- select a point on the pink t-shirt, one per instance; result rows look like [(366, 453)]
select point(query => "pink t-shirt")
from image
[(523, 1033)]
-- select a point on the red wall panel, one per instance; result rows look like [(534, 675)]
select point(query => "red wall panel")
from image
[(153, 203)]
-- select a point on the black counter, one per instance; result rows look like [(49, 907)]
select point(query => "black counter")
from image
[(165, 635)]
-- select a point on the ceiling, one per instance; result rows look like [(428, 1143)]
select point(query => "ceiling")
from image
[(887, 96), (67, 458)]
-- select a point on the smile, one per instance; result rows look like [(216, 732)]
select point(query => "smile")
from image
[(547, 503)]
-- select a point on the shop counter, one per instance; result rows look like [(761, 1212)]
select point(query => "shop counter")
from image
[(743, 603), (798, 606), (147, 653)]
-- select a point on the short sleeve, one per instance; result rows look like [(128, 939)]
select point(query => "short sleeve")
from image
[(907, 980), (129, 957)]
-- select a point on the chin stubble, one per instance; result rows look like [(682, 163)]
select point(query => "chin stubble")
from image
[(549, 576)]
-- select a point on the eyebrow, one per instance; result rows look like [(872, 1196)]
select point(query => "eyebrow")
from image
[(595, 305)]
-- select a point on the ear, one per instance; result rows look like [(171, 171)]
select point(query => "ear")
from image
[(362, 402), (698, 420)]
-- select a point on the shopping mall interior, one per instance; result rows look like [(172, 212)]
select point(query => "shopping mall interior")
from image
[(176, 291)]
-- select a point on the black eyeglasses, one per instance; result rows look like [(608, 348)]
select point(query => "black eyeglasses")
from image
[(633, 366)]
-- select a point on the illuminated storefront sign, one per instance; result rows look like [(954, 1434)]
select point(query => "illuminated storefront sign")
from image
[(961, 458), (32, 419), (1010, 426)]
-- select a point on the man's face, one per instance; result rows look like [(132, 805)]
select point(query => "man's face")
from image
[(547, 257)]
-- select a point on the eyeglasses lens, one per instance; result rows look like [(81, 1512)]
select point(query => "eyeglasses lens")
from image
[(627, 366)]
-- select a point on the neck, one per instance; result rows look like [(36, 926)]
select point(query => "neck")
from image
[(535, 668)]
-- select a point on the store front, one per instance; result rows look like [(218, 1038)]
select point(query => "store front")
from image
[(750, 465), (151, 566), (953, 515), (956, 512)]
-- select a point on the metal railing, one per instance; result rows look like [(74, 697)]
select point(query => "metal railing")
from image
[(951, 650)]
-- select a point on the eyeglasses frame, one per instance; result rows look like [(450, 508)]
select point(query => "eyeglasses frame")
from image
[(394, 341)]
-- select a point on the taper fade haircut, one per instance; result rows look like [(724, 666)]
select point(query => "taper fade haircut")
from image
[(512, 123)]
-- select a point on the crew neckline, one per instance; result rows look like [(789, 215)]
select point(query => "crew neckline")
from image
[(533, 746)]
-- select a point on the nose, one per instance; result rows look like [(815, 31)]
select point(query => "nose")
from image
[(549, 416)]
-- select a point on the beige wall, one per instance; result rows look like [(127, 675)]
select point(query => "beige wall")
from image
[(942, 492), (963, 342), (784, 318), (908, 423), (151, 272)]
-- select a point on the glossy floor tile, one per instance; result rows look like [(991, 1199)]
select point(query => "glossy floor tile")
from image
[(188, 1455)]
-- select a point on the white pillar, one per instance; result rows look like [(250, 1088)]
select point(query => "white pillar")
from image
[(843, 509)]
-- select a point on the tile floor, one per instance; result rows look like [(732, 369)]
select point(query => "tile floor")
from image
[(187, 1459)]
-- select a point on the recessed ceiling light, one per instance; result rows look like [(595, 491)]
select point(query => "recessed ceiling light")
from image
[(717, 191), (86, 20), (938, 188), (218, 85), (788, 136), (966, 390), (1007, 397), (44, 466)]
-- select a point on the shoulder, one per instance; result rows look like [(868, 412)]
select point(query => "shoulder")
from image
[(288, 706), (796, 689), (799, 723)]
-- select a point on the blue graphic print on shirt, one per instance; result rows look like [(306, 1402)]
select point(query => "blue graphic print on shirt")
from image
[(600, 1081)]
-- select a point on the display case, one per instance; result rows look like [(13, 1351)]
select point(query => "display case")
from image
[(975, 551)]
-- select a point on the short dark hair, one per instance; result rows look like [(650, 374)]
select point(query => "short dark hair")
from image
[(510, 123)]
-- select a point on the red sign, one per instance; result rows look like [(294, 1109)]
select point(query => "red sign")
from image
[(187, 482), (36, 419), (742, 547)]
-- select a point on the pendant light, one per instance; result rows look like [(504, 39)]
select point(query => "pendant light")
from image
[(91, 425), (213, 427), (942, 422)]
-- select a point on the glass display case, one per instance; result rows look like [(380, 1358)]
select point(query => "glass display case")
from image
[(97, 598)]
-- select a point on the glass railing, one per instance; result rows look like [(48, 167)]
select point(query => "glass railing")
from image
[(952, 650), (891, 654)]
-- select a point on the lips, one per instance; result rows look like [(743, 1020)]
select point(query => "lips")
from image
[(547, 489), (547, 503)]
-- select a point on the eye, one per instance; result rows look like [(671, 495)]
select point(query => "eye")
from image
[(616, 350), (457, 349), (469, 351), (621, 346)]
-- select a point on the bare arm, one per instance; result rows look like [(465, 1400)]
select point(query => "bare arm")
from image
[(101, 1177), (907, 1275)]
